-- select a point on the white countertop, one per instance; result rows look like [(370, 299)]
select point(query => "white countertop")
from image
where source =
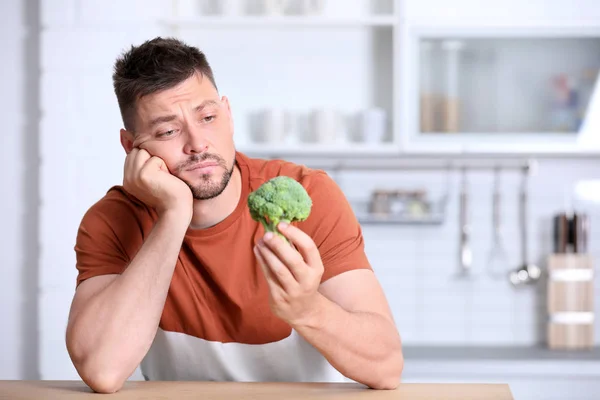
[(434, 361), (525, 353)]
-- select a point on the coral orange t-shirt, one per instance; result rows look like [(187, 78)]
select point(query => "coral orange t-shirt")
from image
[(216, 323)]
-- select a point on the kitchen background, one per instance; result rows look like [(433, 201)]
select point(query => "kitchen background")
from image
[(418, 109)]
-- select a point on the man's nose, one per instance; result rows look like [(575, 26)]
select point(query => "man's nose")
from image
[(195, 143)]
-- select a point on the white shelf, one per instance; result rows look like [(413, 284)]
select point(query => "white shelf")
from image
[(550, 144), (389, 151), (303, 149), (279, 21), (501, 152), (374, 219)]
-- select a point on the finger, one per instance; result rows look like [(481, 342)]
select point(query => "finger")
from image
[(304, 243), (140, 140), (155, 163), (287, 255), (272, 282), (141, 158), (277, 268)]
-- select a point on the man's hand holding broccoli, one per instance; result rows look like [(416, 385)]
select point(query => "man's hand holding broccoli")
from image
[(293, 274)]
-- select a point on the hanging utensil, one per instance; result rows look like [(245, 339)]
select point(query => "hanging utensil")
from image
[(465, 253), (497, 257), (527, 271)]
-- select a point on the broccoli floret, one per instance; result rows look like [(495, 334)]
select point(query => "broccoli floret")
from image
[(281, 199)]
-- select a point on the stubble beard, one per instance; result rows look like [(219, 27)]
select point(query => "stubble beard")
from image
[(208, 189)]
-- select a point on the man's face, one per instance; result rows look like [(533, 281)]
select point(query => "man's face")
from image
[(191, 129)]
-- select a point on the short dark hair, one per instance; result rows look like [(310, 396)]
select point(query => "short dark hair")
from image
[(155, 65)]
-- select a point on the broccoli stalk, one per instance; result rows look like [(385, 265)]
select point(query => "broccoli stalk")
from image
[(281, 199)]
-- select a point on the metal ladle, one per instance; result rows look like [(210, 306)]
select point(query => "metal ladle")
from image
[(497, 258), (527, 273), (465, 253)]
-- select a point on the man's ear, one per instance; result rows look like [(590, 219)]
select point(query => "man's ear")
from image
[(225, 101), (127, 140), (228, 107)]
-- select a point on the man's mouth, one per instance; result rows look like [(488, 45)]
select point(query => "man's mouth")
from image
[(203, 165)]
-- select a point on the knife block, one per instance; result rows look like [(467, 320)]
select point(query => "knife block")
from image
[(570, 301)]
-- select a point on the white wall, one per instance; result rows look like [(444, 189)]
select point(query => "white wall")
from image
[(19, 183)]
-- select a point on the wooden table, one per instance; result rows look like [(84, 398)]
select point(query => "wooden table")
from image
[(54, 390)]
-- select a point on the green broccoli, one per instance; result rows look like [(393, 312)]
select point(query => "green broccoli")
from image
[(281, 199)]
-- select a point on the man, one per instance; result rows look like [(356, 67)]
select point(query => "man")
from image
[(175, 276)]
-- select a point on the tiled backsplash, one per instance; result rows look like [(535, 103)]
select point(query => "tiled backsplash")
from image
[(418, 264)]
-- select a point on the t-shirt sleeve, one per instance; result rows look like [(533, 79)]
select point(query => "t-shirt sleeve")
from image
[(333, 227), (108, 237)]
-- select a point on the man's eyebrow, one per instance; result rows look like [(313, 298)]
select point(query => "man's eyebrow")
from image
[(158, 120), (168, 118), (206, 103)]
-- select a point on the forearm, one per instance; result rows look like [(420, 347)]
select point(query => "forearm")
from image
[(110, 336), (363, 346)]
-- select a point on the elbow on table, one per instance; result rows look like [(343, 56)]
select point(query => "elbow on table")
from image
[(390, 379), (103, 382), (389, 383), (99, 379)]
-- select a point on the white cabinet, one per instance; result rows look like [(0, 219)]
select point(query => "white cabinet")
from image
[(498, 77), (465, 11), (301, 81), (496, 86), (394, 77)]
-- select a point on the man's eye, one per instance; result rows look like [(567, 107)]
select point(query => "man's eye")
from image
[(208, 118), (166, 133)]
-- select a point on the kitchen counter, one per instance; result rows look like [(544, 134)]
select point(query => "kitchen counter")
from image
[(51, 390), (533, 372), (524, 353), (434, 362)]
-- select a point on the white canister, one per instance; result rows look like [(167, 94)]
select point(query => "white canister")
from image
[(273, 126), (233, 8), (206, 7), (373, 125), (311, 7), (327, 126), (274, 7)]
